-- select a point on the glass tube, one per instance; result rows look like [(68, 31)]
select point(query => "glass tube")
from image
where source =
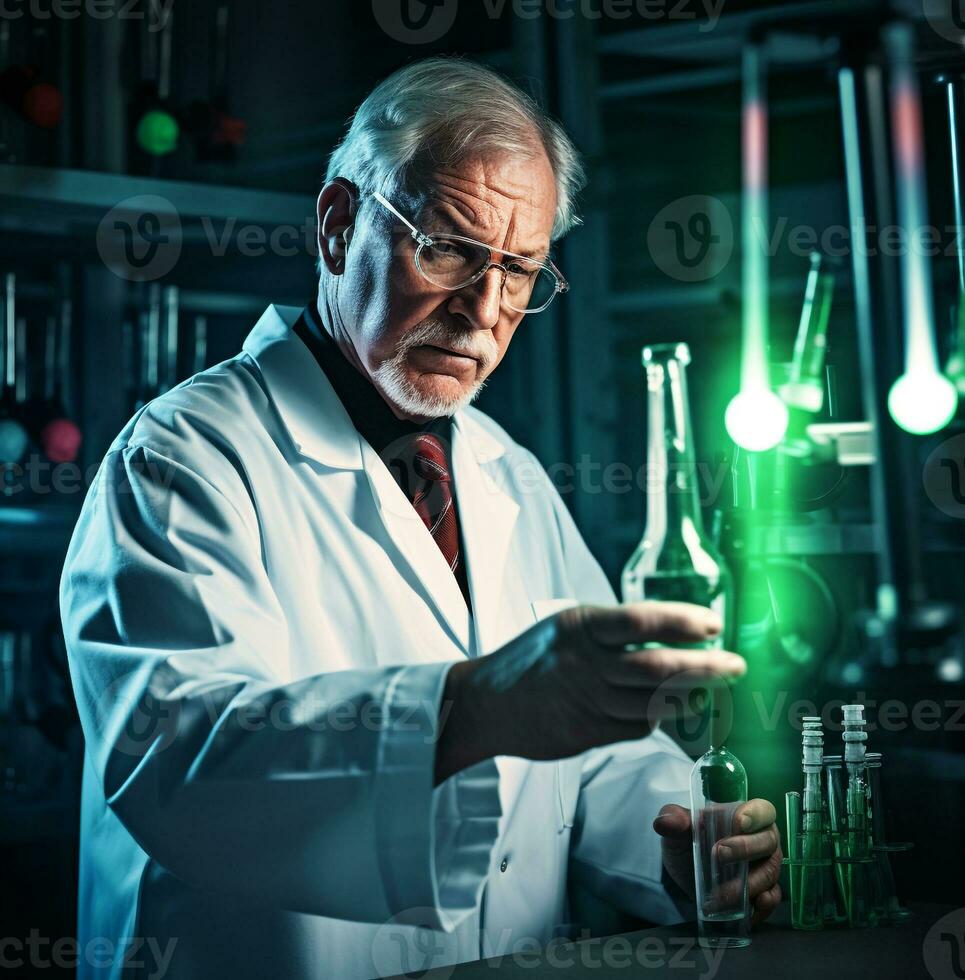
[(718, 786)]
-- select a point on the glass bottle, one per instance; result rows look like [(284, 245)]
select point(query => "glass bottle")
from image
[(718, 786), (675, 560)]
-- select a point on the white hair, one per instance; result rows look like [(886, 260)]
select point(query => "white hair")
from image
[(449, 109)]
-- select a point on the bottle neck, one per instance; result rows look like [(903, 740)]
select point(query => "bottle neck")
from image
[(673, 501)]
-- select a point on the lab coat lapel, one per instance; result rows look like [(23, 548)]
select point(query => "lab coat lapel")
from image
[(414, 541), (321, 429), (487, 518)]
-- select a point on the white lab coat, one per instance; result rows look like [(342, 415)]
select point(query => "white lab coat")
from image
[(259, 627)]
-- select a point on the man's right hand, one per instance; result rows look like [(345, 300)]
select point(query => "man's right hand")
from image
[(574, 681)]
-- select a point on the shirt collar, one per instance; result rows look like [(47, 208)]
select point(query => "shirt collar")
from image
[(367, 409), (309, 407)]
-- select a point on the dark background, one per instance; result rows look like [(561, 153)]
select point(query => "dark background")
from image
[(654, 105)]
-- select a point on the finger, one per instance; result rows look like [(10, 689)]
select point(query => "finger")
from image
[(764, 874), (754, 815), (765, 903), (642, 622), (749, 847), (761, 876), (726, 896), (673, 823), (671, 668)]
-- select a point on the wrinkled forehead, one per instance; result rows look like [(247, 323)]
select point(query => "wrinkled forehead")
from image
[(514, 197)]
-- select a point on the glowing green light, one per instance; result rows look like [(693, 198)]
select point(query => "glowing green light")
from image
[(158, 133), (922, 401), (756, 419)]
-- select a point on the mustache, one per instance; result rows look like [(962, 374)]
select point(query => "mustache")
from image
[(472, 343)]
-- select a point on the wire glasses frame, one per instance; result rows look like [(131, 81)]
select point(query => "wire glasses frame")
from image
[(448, 250)]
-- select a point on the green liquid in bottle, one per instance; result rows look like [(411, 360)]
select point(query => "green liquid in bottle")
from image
[(675, 560)]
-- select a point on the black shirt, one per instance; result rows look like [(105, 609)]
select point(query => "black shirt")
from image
[(367, 409), (388, 435)]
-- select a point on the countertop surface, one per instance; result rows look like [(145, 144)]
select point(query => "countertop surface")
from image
[(930, 945)]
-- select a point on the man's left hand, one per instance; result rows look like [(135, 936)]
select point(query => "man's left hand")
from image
[(758, 841)]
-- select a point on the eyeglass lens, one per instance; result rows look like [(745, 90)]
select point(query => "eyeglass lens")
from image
[(452, 263)]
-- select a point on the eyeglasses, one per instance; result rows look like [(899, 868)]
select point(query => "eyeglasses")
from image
[(453, 262)]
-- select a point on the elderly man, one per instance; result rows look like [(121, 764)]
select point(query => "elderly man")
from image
[(357, 697)]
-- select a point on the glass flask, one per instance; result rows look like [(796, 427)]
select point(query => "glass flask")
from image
[(675, 560)]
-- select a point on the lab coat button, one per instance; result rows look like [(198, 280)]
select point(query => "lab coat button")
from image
[(504, 865)]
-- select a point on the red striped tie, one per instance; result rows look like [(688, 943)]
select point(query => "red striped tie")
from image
[(434, 502)]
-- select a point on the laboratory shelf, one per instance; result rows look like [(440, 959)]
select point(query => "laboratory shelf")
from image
[(36, 528), (690, 39), (61, 201)]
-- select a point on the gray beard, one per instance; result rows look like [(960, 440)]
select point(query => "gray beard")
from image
[(391, 375)]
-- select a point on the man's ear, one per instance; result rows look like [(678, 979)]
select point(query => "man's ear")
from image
[(337, 206)]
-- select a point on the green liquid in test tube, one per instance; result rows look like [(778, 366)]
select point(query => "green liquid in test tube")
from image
[(835, 911), (859, 871), (807, 906)]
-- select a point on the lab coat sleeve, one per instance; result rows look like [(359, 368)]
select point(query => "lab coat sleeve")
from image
[(614, 852), (315, 795)]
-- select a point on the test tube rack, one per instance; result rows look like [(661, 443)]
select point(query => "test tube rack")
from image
[(838, 857)]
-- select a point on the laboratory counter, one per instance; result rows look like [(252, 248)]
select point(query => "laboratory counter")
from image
[(930, 946)]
